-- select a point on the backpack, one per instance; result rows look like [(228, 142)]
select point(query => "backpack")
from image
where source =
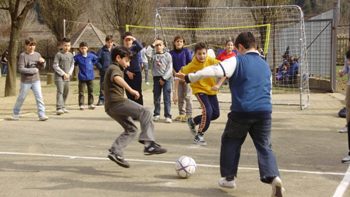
[(342, 113)]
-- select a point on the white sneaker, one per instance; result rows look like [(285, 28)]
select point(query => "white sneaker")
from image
[(156, 118), (65, 110), (59, 112), (43, 118), (168, 120), (277, 187), (343, 130), (92, 106), (81, 107), (14, 117), (228, 184), (346, 159)]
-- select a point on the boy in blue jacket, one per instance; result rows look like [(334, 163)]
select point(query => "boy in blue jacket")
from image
[(86, 61)]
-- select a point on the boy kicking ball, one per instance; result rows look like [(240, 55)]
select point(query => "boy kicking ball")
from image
[(124, 110)]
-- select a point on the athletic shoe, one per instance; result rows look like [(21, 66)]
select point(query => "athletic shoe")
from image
[(65, 110), (81, 107), (92, 106), (99, 103), (14, 117), (59, 112), (168, 120), (192, 126), (199, 139), (118, 159), (346, 159), (43, 118), (343, 130), (277, 187), (154, 148), (156, 118), (228, 184)]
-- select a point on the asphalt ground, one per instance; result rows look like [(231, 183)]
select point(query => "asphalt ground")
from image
[(66, 155)]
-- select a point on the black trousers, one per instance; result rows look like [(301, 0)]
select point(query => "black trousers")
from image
[(136, 84)]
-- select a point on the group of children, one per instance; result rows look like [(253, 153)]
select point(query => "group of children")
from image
[(122, 76)]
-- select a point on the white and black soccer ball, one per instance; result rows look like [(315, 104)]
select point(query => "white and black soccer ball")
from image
[(185, 166)]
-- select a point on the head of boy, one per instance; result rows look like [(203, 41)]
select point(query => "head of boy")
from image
[(128, 39), (30, 44), (229, 45), (109, 41), (83, 48), (179, 42), (121, 55), (66, 45), (200, 51), (159, 45), (244, 42)]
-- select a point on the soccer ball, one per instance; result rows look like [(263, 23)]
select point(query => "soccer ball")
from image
[(185, 166)]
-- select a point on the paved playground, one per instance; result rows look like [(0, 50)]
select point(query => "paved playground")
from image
[(66, 155)]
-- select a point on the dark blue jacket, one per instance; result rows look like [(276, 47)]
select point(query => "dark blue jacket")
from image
[(136, 61), (86, 66), (180, 58), (104, 59)]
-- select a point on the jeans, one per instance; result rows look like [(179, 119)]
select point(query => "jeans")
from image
[(4, 69), (101, 97), (23, 91), (61, 94), (235, 132), (157, 91), (90, 87)]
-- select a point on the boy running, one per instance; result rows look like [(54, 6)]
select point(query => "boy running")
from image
[(202, 89), (124, 110)]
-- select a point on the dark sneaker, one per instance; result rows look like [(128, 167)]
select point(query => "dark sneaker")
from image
[(192, 126), (118, 160), (154, 148), (199, 139), (346, 159)]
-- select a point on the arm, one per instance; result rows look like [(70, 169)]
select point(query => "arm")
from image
[(56, 66), (176, 87), (222, 69), (136, 46), (120, 81), (22, 69), (99, 56), (169, 67), (71, 69)]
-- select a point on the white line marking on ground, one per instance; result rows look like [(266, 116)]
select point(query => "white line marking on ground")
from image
[(344, 184), (172, 162)]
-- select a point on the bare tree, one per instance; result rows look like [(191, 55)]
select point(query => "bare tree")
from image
[(54, 11), (122, 12), (18, 10)]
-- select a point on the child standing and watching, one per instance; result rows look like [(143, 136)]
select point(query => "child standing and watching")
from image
[(346, 70), (63, 65), (182, 91), (202, 89), (29, 64), (162, 80), (124, 110), (86, 61)]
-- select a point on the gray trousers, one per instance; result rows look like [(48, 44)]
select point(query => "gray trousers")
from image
[(124, 113), (184, 93), (62, 93)]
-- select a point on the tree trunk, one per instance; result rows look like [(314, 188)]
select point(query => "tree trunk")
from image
[(10, 87)]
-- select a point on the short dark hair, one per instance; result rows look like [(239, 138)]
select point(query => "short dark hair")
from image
[(109, 37), (128, 33), (29, 41), (83, 44), (200, 46), (121, 51), (246, 39), (65, 40), (348, 54)]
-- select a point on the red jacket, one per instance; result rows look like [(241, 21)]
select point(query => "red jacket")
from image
[(224, 55)]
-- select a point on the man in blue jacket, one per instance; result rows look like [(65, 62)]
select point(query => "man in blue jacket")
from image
[(133, 76), (104, 60)]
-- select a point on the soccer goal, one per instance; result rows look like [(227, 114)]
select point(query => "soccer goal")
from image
[(279, 31)]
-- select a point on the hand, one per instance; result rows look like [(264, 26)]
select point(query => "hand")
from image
[(341, 74), (130, 37), (175, 98), (130, 75), (180, 75), (136, 94), (66, 76), (215, 88), (36, 70), (161, 82), (41, 60)]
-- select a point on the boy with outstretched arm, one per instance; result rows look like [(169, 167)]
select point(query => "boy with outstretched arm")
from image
[(250, 85), (124, 110)]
